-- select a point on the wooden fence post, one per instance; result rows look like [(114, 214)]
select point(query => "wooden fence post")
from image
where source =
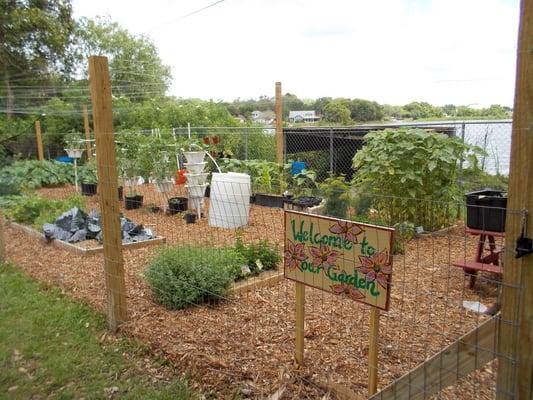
[(3, 256), (515, 368), (279, 124), (39, 140), (87, 133), (373, 351), (108, 189)]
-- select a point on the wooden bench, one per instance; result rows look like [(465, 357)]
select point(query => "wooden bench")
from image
[(471, 269)]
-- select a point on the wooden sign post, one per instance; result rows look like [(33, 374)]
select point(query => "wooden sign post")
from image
[(344, 258), (87, 133), (39, 140)]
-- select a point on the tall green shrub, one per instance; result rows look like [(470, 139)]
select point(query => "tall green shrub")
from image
[(184, 276), (411, 175)]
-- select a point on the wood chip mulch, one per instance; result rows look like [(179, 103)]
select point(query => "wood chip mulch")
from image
[(245, 344)]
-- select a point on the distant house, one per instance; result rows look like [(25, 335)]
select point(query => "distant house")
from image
[(263, 117), (303, 116)]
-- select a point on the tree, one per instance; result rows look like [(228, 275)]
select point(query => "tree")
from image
[(291, 102), (135, 68), (337, 111), (35, 44), (320, 104), (364, 110)]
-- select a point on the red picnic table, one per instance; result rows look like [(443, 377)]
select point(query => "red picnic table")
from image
[(487, 258)]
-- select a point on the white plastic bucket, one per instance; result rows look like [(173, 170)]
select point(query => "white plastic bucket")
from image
[(194, 157), (196, 191), (229, 203), (196, 179), (195, 168)]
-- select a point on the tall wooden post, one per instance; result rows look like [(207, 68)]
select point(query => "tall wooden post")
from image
[(515, 368), (3, 256), (87, 133), (108, 187), (39, 140), (279, 124)]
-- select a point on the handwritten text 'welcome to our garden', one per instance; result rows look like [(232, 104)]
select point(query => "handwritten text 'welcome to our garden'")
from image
[(341, 257)]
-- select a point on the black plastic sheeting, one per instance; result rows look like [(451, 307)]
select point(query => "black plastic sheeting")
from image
[(75, 226)]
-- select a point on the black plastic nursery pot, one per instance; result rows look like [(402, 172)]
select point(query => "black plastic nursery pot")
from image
[(133, 202), (89, 189), (190, 218), (269, 200), (177, 205), (486, 210)]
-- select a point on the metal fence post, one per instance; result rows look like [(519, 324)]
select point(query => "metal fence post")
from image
[(246, 143), (331, 150)]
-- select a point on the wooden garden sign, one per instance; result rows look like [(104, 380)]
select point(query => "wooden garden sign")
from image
[(344, 258)]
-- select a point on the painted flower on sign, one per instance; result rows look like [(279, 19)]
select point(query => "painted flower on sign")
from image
[(376, 268), (347, 230), (294, 255), (323, 256), (348, 290)]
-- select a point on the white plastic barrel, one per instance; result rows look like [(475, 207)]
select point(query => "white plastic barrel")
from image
[(229, 203)]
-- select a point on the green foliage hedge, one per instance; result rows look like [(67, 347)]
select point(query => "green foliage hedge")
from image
[(184, 276)]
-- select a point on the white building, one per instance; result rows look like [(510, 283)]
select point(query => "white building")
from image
[(303, 116)]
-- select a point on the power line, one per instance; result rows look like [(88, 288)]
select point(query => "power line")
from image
[(185, 16)]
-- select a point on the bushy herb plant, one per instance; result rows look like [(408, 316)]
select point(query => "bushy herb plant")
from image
[(184, 276), (412, 174)]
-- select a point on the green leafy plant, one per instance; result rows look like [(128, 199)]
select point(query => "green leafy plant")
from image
[(303, 183), (129, 154), (258, 256), (33, 174), (337, 193), (73, 140), (183, 276), (35, 210), (411, 175), (87, 172)]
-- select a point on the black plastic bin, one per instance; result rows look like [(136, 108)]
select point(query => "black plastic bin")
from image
[(486, 210)]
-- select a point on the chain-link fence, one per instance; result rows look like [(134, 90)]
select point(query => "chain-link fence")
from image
[(331, 149)]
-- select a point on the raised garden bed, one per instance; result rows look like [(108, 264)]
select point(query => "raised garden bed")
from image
[(86, 247)]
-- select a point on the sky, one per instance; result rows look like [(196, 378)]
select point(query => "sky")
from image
[(389, 51)]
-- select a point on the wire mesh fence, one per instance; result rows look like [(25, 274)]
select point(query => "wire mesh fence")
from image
[(212, 298)]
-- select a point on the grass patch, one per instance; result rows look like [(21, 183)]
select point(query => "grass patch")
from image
[(51, 347)]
